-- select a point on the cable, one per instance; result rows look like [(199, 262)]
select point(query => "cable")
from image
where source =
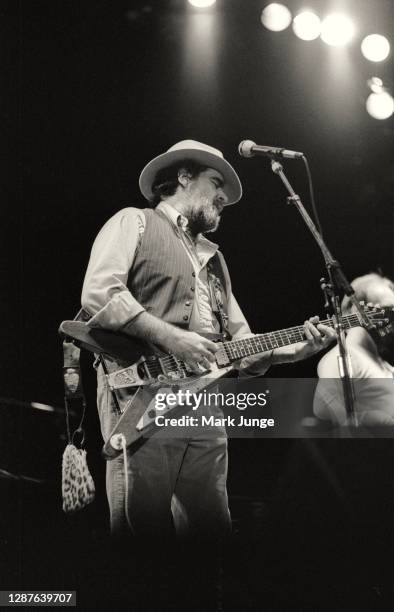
[(312, 196), (126, 481)]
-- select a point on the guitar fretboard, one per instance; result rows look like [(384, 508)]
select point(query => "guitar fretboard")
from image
[(246, 347)]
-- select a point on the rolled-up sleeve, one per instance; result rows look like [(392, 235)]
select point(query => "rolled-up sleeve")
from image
[(105, 295)]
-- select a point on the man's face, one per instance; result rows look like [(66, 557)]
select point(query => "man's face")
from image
[(205, 201)]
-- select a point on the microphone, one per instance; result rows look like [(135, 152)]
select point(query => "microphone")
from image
[(248, 148)]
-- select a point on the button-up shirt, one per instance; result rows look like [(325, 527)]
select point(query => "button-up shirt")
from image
[(105, 295)]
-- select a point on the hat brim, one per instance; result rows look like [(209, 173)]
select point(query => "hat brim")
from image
[(232, 185)]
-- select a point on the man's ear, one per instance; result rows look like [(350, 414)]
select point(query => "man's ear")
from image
[(184, 177)]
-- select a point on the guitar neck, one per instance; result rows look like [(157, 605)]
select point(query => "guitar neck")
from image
[(246, 347)]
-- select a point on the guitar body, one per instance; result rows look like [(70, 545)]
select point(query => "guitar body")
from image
[(115, 344), (105, 342), (138, 417)]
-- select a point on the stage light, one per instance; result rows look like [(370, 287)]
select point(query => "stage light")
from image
[(199, 56), (380, 105), (375, 47), (337, 30), (375, 84), (202, 3), (276, 17), (306, 25)]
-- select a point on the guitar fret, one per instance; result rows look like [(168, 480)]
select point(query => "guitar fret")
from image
[(236, 349), (271, 342), (253, 346)]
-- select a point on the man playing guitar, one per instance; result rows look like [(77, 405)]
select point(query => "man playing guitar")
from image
[(155, 276)]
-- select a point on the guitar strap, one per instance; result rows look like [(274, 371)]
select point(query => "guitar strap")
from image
[(77, 484), (71, 368), (216, 291)]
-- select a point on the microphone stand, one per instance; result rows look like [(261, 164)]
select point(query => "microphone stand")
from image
[(338, 281)]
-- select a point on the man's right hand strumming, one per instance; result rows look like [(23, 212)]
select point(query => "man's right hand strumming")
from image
[(192, 348), (186, 345)]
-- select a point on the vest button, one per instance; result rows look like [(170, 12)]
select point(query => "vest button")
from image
[(192, 289), (193, 274), (186, 318), (188, 303)]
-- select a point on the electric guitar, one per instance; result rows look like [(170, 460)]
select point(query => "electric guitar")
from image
[(153, 371)]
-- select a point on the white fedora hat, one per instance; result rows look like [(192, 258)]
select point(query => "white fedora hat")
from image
[(200, 153)]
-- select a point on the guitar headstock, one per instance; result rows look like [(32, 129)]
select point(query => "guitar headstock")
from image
[(382, 318)]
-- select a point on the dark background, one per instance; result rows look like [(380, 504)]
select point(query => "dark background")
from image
[(96, 90)]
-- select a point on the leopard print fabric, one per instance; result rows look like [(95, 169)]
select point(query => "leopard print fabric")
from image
[(77, 483)]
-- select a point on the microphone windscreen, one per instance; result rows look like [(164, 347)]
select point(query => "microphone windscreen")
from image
[(245, 148)]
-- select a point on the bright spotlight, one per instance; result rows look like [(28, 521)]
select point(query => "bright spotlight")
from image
[(202, 3), (337, 30), (375, 48), (380, 105), (306, 25), (375, 84), (276, 17)]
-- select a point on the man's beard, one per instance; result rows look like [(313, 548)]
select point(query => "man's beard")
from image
[(204, 220)]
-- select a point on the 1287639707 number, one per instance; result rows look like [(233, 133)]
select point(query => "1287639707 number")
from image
[(37, 598)]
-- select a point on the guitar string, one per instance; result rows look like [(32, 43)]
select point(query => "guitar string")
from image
[(267, 341), (246, 344)]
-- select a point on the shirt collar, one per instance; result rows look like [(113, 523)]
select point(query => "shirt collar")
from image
[(180, 220)]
